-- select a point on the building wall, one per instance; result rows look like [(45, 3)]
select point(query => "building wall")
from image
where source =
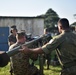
[(32, 25)]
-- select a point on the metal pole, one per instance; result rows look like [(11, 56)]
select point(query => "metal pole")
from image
[(41, 64), (16, 49)]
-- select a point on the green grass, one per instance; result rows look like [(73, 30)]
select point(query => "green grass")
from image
[(4, 70), (52, 71)]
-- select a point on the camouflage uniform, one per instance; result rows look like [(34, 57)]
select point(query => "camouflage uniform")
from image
[(47, 56), (20, 63), (12, 38), (65, 45)]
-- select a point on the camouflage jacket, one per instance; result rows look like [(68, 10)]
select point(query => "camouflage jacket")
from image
[(65, 45), (20, 63)]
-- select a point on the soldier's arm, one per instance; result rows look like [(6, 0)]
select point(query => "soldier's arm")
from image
[(10, 43), (47, 48), (27, 50)]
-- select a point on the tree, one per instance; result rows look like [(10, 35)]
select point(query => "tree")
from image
[(73, 24), (74, 16), (50, 18)]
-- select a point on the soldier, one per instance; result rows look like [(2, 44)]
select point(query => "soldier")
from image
[(65, 45), (47, 57), (12, 40), (20, 61), (12, 37)]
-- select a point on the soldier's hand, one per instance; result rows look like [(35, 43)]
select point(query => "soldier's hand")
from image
[(24, 50)]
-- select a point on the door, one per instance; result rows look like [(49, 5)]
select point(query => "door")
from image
[(4, 33)]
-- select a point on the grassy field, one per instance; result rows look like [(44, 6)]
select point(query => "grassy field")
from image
[(52, 71)]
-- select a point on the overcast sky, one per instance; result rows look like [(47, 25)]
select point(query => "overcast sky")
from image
[(64, 8)]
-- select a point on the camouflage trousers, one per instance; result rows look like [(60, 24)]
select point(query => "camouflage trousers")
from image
[(69, 71), (32, 70)]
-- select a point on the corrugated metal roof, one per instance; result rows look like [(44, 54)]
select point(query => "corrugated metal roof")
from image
[(20, 17)]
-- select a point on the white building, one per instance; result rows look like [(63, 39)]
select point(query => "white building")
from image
[(33, 25)]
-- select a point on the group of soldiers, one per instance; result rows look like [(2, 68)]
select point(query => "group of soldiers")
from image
[(64, 44), (19, 63)]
